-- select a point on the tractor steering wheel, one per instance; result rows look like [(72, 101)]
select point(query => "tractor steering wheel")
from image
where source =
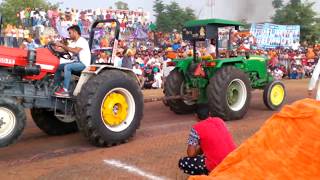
[(65, 54)]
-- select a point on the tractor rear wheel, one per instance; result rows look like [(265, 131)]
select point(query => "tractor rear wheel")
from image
[(50, 124), (111, 108), (229, 93), (274, 95), (12, 121), (174, 86)]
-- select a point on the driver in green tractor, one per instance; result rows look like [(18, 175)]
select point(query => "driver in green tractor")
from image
[(82, 50), (212, 48)]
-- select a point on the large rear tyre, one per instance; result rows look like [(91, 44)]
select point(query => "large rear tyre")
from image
[(50, 124), (229, 93), (111, 108), (12, 121), (174, 86), (274, 95)]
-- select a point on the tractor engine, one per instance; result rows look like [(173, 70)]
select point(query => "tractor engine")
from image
[(31, 65), (7, 76), (31, 68), (27, 75)]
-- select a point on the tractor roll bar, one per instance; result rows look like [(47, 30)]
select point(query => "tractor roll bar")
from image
[(117, 31)]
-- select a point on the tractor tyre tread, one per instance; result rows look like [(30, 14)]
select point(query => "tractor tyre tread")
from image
[(172, 87), (90, 121), (216, 91), (50, 124), (266, 95), (21, 118)]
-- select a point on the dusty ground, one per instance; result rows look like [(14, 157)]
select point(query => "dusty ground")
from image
[(154, 150)]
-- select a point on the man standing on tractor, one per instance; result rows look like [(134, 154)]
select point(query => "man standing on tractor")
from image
[(83, 58)]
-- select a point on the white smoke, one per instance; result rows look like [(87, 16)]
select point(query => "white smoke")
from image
[(253, 11)]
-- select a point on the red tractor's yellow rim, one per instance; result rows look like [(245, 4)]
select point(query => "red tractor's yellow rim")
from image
[(277, 95), (114, 109)]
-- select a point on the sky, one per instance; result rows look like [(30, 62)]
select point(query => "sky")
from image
[(251, 10), (133, 4)]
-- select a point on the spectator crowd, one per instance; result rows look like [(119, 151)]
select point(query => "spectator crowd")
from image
[(146, 51)]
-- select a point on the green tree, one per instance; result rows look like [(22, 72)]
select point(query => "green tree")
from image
[(277, 4), (161, 18), (298, 13), (171, 16), (10, 8), (246, 24), (189, 14), (295, 2), (121, 5)]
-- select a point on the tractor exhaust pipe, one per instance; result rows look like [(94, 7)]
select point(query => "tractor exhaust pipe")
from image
[(31, 68), (32, 56)]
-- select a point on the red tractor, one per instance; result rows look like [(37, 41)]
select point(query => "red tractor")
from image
[(106, 105)]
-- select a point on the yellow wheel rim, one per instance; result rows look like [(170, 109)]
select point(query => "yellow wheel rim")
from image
[(114, 109), (277, 95)]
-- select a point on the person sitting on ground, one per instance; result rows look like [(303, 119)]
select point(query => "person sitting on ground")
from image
[(208, 144), (83, 59)]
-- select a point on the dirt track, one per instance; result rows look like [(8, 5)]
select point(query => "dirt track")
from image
[(159, 142)]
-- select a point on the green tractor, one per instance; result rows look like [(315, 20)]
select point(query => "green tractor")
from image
[(225, 84)]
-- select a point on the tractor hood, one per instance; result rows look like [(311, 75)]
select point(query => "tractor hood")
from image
[(10, 57)]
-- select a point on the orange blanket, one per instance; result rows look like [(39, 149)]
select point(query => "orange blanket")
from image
[(286, 147)]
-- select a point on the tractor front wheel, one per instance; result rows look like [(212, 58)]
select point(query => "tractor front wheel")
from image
[(50, 124), (175, 86), (274, 95), (229, 93), (12, 121)]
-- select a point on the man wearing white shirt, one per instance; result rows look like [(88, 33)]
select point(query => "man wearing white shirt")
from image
[(313, 82), (137, 70), (295, 45), (83, 53), (117, 62), (211, 49), (157, 78)]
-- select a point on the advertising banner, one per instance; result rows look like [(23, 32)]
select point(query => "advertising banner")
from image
[(272, 35)]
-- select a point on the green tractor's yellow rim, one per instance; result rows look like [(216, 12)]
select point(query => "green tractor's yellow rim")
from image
[(114, 109), (277, 95)]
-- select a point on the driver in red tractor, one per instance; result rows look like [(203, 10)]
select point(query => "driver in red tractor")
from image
[(83, 58)]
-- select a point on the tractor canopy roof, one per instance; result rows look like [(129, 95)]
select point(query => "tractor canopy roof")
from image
[(212, 22), (199, 30)]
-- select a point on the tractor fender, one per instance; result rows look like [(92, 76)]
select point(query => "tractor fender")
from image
[(96, 69)]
